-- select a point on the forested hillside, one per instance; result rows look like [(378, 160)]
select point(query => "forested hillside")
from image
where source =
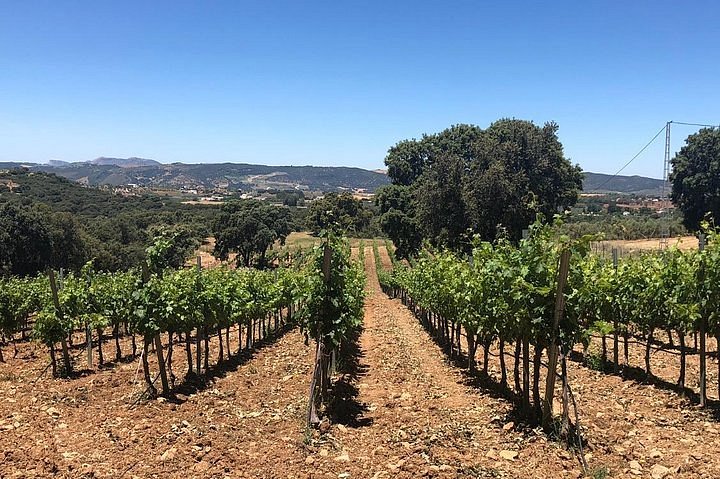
[(46, 216)]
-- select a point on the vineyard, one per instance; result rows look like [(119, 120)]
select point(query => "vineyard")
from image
[(509, 295), (396, 390)]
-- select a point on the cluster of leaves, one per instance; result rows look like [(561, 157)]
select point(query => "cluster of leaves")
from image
[(499, 290)]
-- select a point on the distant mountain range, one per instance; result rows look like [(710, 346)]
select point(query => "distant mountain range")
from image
[(231, 176), (242, 176)]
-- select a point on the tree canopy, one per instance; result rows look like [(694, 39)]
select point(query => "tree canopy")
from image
[(397, 219), (249, 228), (33, 238), (341, 212), (696, 177), (468, 181)]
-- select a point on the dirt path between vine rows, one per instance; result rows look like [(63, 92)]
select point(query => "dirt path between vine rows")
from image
[(415, 417)]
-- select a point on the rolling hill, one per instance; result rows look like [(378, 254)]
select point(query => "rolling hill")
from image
[(244, 177), (233, 176), (638, 185)]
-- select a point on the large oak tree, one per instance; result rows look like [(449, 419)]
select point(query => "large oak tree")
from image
[(467, 181)]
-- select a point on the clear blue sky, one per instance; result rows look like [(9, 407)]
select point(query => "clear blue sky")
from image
[(339, 82)]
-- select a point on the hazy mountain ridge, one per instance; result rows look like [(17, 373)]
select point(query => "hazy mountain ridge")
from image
[(244, 176), (231, 176), (635, 184), (131, 162)]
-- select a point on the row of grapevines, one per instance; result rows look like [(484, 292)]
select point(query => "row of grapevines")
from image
[(332, 296), (671, 290), (19, 298), (507, 293), (501, 293), (173, 302)]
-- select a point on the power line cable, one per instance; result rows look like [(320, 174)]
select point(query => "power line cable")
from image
[(694, 124), (631, 160)]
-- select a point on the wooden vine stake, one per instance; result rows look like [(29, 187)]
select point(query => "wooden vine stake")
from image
[(63, 342), (318, 385), (553, 347)]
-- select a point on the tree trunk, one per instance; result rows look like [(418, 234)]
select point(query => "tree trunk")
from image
[(249, 335), (452, 339), (171, 375), (516, 366), (459, 337), (227, 341), (88, 345), (616, 352), (565, 426), (66, 356), (240, 326), (100, 351), (604, 351), (471, 350), (53, 361), (312, 416), (134, 345), (161, 364), (220, 339), (116, 336), (206, 341), (681, 379), (146, 368), (188, 352), (446, 326), (198, 350), (626, 347), (526, 375), (503, 369), (536, 381), (648, 345)]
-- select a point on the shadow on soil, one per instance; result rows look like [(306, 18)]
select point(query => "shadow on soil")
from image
[(639, 376), (344, 407), (194, 383), (478, 379)]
